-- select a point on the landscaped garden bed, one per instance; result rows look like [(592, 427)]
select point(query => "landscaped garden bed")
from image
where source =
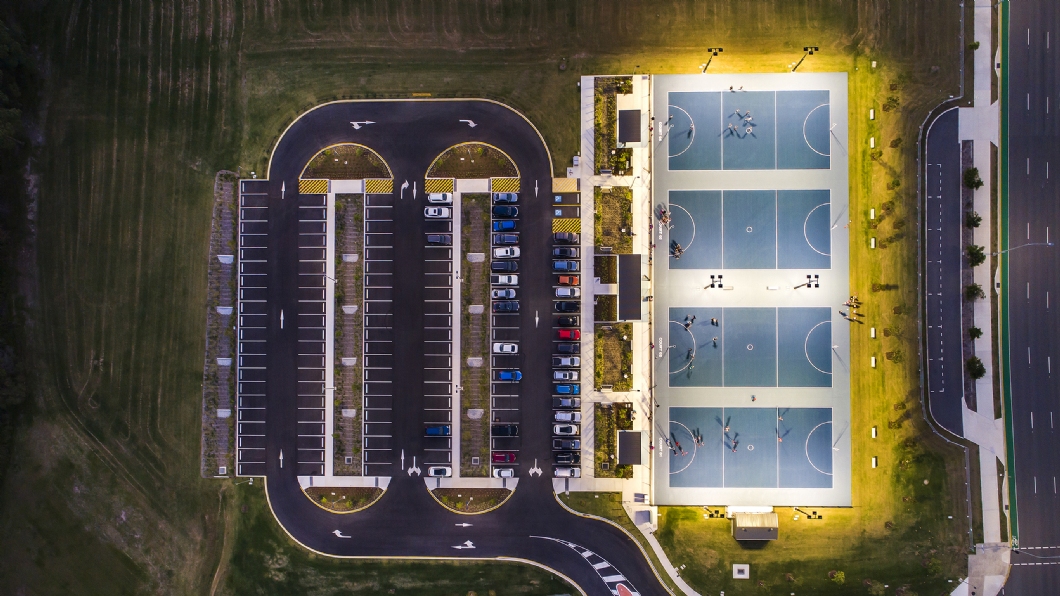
[(614, 218), (605, 310), (473, 160), (610, 418), (344, 499), (349, 331), (613, 356), (471, 500), (474, 335), (607, 155), (346, 162)]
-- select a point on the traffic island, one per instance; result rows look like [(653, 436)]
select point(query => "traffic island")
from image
[(473, 160), (471, 500), (343, 499)]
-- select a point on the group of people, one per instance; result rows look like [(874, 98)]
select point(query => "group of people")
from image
[(853, 303), (744, 119)]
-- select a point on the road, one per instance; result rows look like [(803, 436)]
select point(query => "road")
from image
[(1033, 285), (942, 273), (406, 521)]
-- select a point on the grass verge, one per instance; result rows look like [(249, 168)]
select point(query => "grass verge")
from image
[(473, 160)]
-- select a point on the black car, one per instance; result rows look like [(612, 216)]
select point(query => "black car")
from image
[(505, 211), (566, 238), (505, 239), (567, 306), (440, 239), (565, 252), (568, 348), (568, 457), (504, 266), (506, 306), (504, 430), (568, 322), (566, 444)]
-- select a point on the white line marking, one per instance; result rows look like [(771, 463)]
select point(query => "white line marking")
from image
[(1032, 420), (1028, 166), (1028, 290), (1028, 354), (1035, 485)]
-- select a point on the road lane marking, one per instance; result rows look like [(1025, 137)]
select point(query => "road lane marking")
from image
[(1028, 354), (1032, 420), (1028, 290), (1035, 485)]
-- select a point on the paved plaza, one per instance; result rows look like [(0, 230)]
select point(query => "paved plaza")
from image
[(751, 290)]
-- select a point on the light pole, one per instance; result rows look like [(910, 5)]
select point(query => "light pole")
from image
[(809, 50), (1001, 252), (713, 52)]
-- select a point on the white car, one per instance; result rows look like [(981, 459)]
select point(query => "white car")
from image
[(440, 197), (505, 294), (503, 472), (504, 348), (560, 375), (507, 252), (565, 430), (437, 212), (568, 473), (568, 292), (504, 280), (567, 416), (439, 472)]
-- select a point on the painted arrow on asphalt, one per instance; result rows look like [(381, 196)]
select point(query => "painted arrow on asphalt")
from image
[(536, 318), (357, 125), (535, 469), (535, 188), (414, 468), (340, 534), (281, 458), (404, 185), (283, 189), (467, 544), (469, 123), (463, 525), (413, 191)]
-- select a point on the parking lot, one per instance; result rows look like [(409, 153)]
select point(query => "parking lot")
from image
[(378, 333)]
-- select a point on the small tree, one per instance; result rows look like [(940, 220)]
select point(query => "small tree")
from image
[(972, 179), (976, 368), (975, 332), (973, 292), (976, 255), (876, 588), (973, 219), (973, 46), (837, 577)]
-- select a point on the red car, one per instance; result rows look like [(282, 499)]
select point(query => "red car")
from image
[(569, 334), (568, 280), (503, 457)]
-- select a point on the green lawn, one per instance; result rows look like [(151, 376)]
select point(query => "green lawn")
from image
[(146, 102)]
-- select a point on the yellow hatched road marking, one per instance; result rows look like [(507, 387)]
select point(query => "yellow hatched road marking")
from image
[(504, 184), (313, 187), (567, 224), (378, 186), (564, 185), (438, 185)]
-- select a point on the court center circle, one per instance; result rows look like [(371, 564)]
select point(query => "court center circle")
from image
[(750, 347), (748, 229), (750, 447)]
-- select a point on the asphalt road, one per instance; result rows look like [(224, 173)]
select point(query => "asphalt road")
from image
[(942, 273), (406, 521), (1033, 288)]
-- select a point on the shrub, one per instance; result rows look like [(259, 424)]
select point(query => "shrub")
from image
[(973, 219), (972, 179), (976, 368), (976, 255), (876, 588), (973, 292), (837, 577), (975, 332), (973, 46), (896, 143)]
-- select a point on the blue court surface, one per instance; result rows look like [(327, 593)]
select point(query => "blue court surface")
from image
[(752, 130), (750, 347), (750, 447), (750, 229)]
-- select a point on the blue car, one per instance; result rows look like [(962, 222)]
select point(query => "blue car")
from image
[(569, 389), (509, 375), (438, 430), (565, 266), (503, 226)]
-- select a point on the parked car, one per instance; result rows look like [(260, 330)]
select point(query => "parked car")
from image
[(566, 361), (504, 430), (504, 280), (504, 266), (506, 252), (504, 457), (568, 306), (569, 280), (438, 212), (505, 348), (568, 389), (440, 197), (565, 472), (564, 375), (502, 239), (566, 402), (504, 225), (566, 444), (565, 430), (506, 306), (505, 197), (509, 375), (438, 430), (565, 252), (566, 266), (569, 334), (569, 348), (566, 237), (505, 211), (568, 292), (505, 294), (440, 239), (503, 472), (439, 472), (567, 416), (568, 458)]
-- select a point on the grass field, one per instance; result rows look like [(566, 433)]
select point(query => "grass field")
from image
[(146, 100)]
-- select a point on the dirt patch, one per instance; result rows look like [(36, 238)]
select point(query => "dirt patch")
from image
[(471, 500), (473, 160), (344, 499), (346, 162)]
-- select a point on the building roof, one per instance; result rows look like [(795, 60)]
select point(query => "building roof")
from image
[(755, 526), (630, 444), (629, 126)]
